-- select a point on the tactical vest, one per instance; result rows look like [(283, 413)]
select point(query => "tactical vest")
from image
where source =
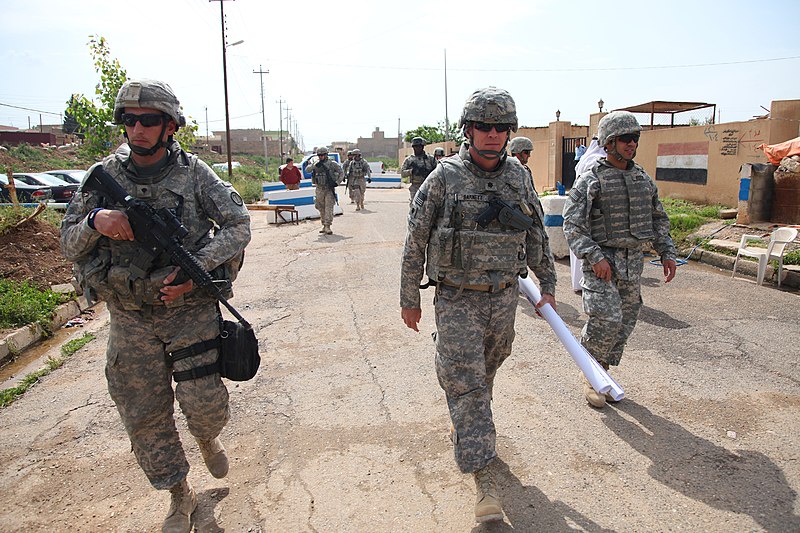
[(459, 249), (132, 279), (357, 169), (624, 208), (429, 164)]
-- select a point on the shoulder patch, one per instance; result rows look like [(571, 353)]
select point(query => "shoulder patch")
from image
[(236, 198), (420, 198), (574, 195)]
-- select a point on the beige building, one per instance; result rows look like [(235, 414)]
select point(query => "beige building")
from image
[(378, 145), (250, 141), (696, 163)]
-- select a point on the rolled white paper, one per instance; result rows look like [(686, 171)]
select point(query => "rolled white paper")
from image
[(597, 376)]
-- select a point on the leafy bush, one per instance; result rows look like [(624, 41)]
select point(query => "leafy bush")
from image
[(250, 189), (21, 304)]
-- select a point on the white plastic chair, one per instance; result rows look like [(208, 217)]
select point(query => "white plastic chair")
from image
[(774, 251)]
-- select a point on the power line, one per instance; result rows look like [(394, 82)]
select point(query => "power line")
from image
[(587, 69), (30, 109)]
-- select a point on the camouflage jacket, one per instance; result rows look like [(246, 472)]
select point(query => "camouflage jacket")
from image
[(610, 209), (434, 227), (327, 176), (211, 210), (417, 168)]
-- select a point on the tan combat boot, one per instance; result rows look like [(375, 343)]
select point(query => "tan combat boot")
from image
[(323, 229), (487, 502), (214, 456), (184, 502), (594, 398), (327, 229)]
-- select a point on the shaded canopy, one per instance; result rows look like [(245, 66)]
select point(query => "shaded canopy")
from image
[(668, 108)]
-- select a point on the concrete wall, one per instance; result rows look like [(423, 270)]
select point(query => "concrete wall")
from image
[(725, 147)]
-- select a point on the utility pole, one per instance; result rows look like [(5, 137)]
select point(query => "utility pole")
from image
[(261, 73), (280, 120), (446, 119), (225, 82), (208, 147), (289, 129)]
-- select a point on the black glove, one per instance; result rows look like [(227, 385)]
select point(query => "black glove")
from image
[(369, 180)]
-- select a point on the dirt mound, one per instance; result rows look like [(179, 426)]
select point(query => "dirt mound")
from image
[(32, 252)]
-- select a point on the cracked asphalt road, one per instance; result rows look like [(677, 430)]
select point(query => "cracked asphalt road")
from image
[(345, 427)]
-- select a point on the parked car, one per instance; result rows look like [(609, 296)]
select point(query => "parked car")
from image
[(60, 189), (223, 167), (25, 193), (70, 176)]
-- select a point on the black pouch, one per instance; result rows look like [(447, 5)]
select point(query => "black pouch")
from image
[(238, 358), (238, 352)]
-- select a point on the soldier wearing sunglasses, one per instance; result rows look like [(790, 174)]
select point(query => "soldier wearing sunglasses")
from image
[(150, 316), (611, 213), (474, 260)]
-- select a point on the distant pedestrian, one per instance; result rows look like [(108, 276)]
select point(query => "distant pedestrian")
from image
[(325, 176), (290, 175), (417, 167), (358, 173), (521, 148)]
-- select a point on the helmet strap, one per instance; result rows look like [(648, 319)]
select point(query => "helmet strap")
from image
[(489, 154), (153, 149)]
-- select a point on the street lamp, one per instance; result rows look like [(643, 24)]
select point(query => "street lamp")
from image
[(558, 115), (600, 104)]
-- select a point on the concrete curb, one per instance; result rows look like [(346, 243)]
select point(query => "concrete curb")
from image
[(18, 341)]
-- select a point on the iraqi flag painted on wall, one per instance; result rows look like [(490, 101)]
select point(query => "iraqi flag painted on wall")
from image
[(683, 162)]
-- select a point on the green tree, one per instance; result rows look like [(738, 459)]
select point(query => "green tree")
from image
[(70, 124), (94, 121), (435, 134)]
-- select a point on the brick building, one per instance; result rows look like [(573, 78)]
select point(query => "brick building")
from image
[(378, 145)]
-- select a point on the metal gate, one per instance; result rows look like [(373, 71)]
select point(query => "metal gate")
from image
[(568, 146)]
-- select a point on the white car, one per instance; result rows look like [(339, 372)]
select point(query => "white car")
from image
[(224, 166)]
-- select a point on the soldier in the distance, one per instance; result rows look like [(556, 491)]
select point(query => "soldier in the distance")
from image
[(417, 167)]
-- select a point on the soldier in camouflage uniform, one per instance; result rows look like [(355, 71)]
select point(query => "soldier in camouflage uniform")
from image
[(611, 213), (149, 317), (475, 267), (358, 173), (417, 167), (521, 148), (325, 176), (345, 167)]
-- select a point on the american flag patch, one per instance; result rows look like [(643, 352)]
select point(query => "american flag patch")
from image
[(419, 199)]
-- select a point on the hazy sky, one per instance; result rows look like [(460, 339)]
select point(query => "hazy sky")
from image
[(371, 64)]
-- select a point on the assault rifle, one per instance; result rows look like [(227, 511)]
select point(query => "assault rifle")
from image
[(505, 214), (159, 231)]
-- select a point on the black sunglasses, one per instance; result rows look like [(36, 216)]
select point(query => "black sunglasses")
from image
[(628, 137), (148, 120), (499, 128)]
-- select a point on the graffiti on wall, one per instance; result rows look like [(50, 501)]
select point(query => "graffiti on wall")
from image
[(734, 140)]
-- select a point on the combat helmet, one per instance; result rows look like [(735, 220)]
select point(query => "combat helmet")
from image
[(520, 144), (438, 151), (615, 124), (490, 105), (418, 141), (148, 93), (322, 150)]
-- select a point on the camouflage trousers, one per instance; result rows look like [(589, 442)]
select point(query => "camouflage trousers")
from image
[(613, 308), (412, 190), (357, 191), (140, 383), (475, 331), (324, 200)]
